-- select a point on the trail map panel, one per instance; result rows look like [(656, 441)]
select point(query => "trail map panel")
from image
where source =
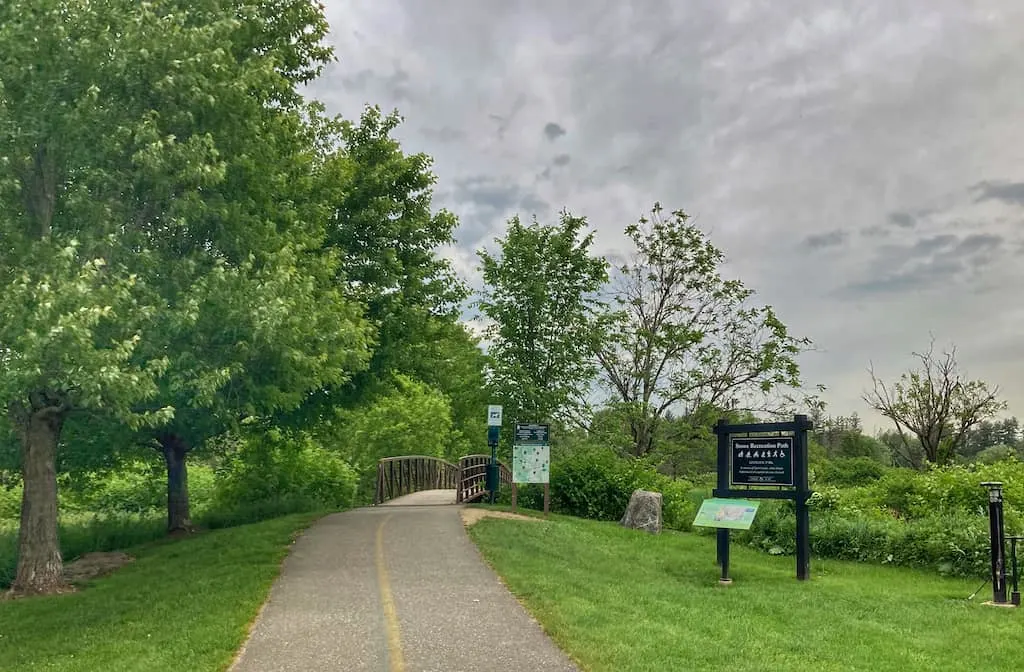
[(762, 461), (530, 464)]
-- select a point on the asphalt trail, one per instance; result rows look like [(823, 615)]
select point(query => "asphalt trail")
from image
[(396, 588)]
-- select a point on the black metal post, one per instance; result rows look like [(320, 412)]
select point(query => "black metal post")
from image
[(723, 485), (493, 476), (803, 519), (998, 542)]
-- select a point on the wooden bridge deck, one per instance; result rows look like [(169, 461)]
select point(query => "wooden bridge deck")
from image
[(424, 498)]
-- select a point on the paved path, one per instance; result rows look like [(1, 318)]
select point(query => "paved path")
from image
[(394, 589)]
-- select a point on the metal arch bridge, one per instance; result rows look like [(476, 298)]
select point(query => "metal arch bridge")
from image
[(400, 476)]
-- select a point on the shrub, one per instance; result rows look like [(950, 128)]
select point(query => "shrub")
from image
[(595, 483), (10, 502), (850, 471), (950, 544), (279, 470)]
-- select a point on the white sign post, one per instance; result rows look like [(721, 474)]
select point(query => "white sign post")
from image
[(494, 416)]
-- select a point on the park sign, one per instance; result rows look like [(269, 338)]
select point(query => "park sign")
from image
[(531, 453), (762, 461)]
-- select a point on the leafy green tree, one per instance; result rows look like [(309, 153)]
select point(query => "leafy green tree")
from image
[(229, 185), (934, 403), (386, 236), (71, 312), (540, 297), (990, 433), (408, 418), (680, 337)]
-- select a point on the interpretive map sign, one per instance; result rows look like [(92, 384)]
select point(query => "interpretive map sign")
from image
[(531, 464), (531, 453), (734, 514), (762, 461)]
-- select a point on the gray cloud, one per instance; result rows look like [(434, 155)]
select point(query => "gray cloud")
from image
[(902, 219), (763, 118), (820, 241), (561, 160), (553, 131), (1008, 192), (936, 261)]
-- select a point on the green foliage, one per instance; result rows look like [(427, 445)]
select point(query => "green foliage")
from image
[(597, 484), (953, 544), (136, 487), (997, 453), (935, 520), (411, 418), (850, 471), (283, 466), (10, 502), (682, 337), (540, 295), (935, 403)]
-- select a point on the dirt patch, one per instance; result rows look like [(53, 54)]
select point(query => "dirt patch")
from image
[(94, 565), (472, 516)]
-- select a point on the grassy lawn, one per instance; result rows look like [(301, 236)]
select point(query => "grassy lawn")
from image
[(620, 600), (182, 605)]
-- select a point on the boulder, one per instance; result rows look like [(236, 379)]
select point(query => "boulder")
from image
[(643, 512)]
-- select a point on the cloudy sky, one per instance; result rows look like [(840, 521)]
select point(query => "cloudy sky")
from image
[(860, 163)]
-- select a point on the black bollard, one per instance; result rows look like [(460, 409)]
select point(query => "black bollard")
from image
[(995, 521)]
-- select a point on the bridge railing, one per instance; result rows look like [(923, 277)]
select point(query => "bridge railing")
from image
[(404, 475), (473, 477)]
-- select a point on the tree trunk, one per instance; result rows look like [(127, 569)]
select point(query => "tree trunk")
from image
[(40, 569), (174, 449)]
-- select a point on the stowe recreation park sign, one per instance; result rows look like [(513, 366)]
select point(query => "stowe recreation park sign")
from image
[(759, 467), (762, 461)]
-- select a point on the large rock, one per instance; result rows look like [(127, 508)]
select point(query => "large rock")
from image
[(643, 512)]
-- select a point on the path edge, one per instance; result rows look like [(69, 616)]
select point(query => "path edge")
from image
[(501, 580), (255, 620)]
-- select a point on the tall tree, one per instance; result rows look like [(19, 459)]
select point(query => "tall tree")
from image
[(681, 337), (386, 233), (71, 312), (935, 403), (540, 297), (226, 182)]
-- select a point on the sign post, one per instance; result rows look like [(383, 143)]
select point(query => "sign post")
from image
[(749, 465), (531, 459), (997, 540), (493, 435)]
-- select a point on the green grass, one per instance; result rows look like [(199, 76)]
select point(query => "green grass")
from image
[(623, 601), (182, 605), (84, 532)]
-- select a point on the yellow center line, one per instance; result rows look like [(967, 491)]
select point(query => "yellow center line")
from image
[(396, 663)]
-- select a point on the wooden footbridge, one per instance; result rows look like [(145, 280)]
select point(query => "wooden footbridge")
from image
[(467, 479)]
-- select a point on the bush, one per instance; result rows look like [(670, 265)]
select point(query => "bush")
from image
[(935, 519), (597, 484), (137, 487), (283, 471), (10, 502), (850, 471), (950, 544)]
